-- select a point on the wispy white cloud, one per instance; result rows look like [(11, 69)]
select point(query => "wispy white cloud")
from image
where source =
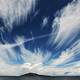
[(67, 55), (45, 22), (34, 62), (14, 11), (68, 23)]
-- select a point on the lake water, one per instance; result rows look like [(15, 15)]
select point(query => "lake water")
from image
[(36, 77)]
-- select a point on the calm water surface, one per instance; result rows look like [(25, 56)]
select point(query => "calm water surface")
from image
[(36, 77)]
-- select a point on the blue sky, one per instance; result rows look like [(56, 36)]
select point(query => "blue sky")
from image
[(48, 32), (44, 8)]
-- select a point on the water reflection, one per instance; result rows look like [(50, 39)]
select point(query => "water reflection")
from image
[(36, 77)]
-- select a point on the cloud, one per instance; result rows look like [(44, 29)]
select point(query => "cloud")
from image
[(68, 24), (34, 61), (45, 22), (15, 11)]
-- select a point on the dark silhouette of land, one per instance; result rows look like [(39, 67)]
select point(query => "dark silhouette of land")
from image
[(38, 77)]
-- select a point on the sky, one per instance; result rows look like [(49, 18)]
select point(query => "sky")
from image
[(40, 34)]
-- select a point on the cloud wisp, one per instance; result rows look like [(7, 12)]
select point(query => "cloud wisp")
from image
[(15, 11)]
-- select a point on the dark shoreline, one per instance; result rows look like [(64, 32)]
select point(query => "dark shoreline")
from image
[(38, 77)]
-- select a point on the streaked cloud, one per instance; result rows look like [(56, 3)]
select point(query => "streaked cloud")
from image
[(15, 11)]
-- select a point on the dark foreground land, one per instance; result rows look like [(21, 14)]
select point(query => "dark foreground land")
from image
[(37, 77)]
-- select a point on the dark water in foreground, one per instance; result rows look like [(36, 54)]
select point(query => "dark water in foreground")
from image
[(36, 77)]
